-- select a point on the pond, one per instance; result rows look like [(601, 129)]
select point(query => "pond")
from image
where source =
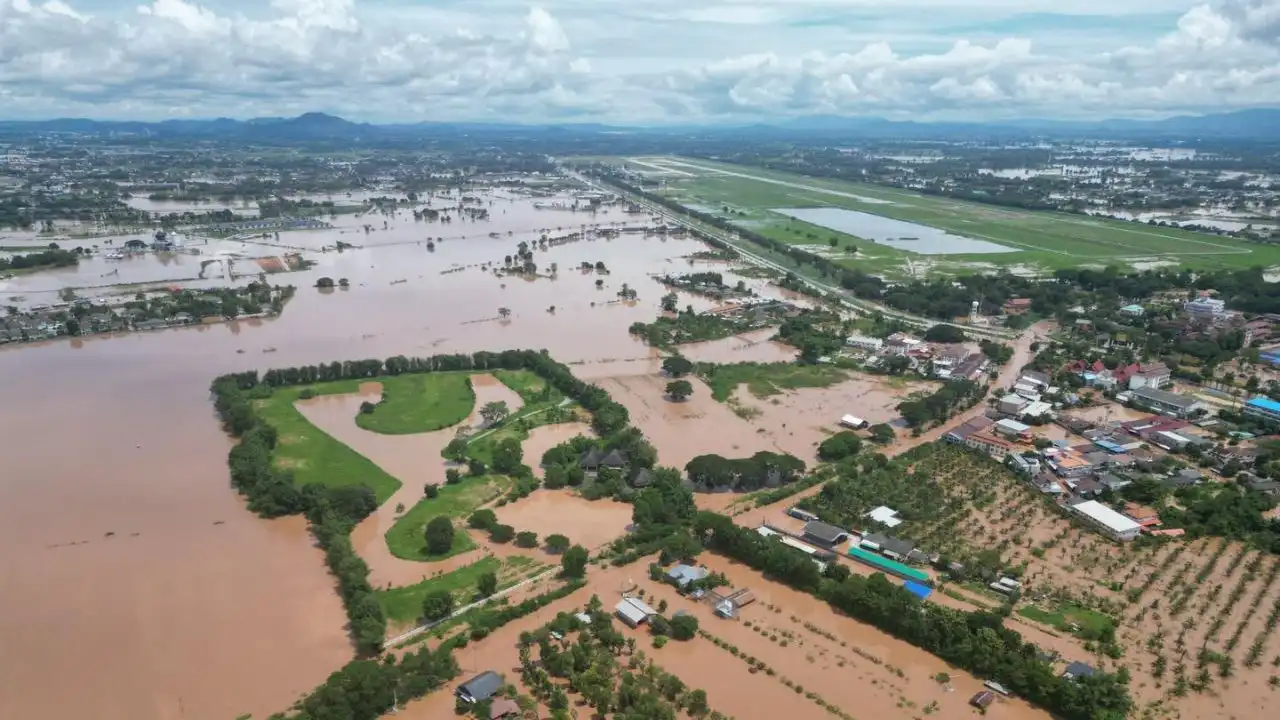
[(897, 234)]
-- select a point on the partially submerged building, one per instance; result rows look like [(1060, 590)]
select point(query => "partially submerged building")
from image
[(480, 688), (633, 611)]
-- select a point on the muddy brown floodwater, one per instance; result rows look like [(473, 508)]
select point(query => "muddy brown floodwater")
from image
[(129, 569)]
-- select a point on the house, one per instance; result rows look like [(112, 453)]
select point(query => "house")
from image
[(1077, 670), (1016, 306), (1037, 410), (887, 545), (595, 458), (853, 422), (633, 611), (823, 534), (1070, 464), (901, 343), (1034, 378), (1029, 466), (1257, 484), (1168, 403), (682, 575), (479, 688), (642, 478), (1184, 478), (503, 708), (1110, 522), (960, 433), (1086, 487), (1114, 482), (1012, 404)]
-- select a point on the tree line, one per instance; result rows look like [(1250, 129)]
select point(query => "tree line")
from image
[(976, 641), (52, 257), (714, 472), (953, 396)]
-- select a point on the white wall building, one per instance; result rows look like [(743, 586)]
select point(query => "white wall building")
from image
[(1110, 522)]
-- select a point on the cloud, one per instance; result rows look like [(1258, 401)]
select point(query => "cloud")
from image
[(645, 60)]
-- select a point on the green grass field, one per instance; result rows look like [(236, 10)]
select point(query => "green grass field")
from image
[(404, 604), (1044, 240), (765, 379), (312, 454), (421, 402), (1091, 623), (405, 538)]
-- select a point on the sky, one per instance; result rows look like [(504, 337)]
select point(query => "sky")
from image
[(636, 61)]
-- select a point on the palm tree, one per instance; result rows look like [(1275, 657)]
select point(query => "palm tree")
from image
[(504, 312)]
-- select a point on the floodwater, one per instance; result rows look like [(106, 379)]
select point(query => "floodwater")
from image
[(243, 206), (754, 346), (545, 437), (132, 572), (897, 234), (589, 523), (414, 460)]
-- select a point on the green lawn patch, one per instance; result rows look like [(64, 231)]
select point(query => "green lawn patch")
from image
[(1068, 617), (404, 604), (313, 455), (527, 384), (421, 402), (405, 538), (765, 379)]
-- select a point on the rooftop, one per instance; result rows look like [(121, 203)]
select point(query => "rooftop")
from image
[(1106, 517), (885, 516), (1264, 403), (1168, 398), (481, 687), (824, 532)]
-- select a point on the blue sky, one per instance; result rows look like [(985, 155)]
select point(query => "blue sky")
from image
[(639, 61)]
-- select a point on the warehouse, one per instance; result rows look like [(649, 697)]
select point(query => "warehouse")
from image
[(1112, 523)]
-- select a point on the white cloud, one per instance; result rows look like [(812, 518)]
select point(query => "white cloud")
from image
[(642, 60)]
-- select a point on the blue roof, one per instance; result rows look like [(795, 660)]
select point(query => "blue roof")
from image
[(917, 589), (1132, 308), (1265, 403)]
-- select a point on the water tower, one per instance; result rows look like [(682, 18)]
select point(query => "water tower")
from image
[(973, 313)]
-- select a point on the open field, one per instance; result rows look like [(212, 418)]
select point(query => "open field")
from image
[(1043, 241), (403, 605), (406, 539), (420, 402)]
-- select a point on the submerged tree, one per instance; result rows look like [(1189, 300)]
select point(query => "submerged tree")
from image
[(679, 389)]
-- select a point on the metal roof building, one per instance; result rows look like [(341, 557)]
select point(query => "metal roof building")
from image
[(1109, 521)]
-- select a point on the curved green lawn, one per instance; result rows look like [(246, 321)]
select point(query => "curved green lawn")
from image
[(420, 402), (312, 454), (405, 538)]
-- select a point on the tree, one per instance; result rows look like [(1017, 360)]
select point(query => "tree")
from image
[(882, 433), (502, 533), (574, 562), (367, 408), (684, 627), (324, 282), (839, 446), (557, 543), (439, 535), (556, 477), (677, 366), (507, 456), (527, 539), (679, 390), (944, 334), (504, 313), (670, 302), (431, 491), (437, 605), (482, 519), (696, 702), (494, 412), (456, 449), (452, 476), (487, 584)]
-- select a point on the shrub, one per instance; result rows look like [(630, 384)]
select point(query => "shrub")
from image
[(439, 535), (482, 519), (502, 533), (452, 476)]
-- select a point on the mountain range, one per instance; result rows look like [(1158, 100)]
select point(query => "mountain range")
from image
[(1262, 123)]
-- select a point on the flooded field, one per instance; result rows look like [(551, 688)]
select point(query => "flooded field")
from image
[(131, 569), (586, 522), (897, 234)]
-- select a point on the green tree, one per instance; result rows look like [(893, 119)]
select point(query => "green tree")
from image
[(882, 433), (502, 533), (487, 584), (439, 535), (507, 456), (843, 444), (574, 562), (684, 627), (437, 605), (679, 389), (677, 366), (670, 302), (482, 519), (494, 412), (696, 702), (452, 476), (557, 543), (527, 539)]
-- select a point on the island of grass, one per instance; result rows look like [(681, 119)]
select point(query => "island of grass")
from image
[(420, 403), (767, 379), (406, 537)]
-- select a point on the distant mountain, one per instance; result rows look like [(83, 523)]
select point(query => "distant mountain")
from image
[(1244, 124)]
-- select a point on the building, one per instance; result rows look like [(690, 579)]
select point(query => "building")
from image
[(804, 515), (902, 343), (893, 547), (503, 708), (633, 611), (1263, 408), (853, 422), (1152, 375), (1029, 466), (1016, 306), (823, 534), (1077, 670), (1167, 403), (480, 688), (1012, 429), (984, 441), (682, 575), (1012, 404), (1110, 522), (1205, 307), (886, 516), (1132, 310), (862, 342), (1038, 409), (960, 433)]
